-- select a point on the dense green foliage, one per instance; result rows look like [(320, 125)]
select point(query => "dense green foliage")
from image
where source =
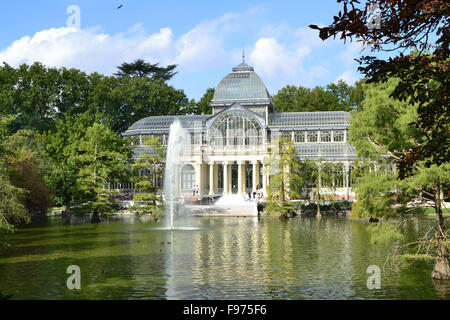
[(12, 207), (335, 97), (203, 105), (333, 206), (102, 157), (148, 169), (381, 131), (40, 96), (282, 160), (142, 69)]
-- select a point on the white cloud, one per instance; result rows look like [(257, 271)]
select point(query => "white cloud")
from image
[(92, 50), (350, 53), (203, 46), (273, 59), (347, 76), (298, 56), (87, 49)]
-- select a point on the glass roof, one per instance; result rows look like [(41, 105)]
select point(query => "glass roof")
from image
[(280, 121), (155, 124), (316, 119), (243, 83), (328, 151)]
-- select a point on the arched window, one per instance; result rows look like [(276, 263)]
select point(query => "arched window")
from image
[(235, 129), (287, 135), (299, 136), (311, 136), (325, 136)]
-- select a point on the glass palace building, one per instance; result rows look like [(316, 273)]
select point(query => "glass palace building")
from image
[(229, 145)]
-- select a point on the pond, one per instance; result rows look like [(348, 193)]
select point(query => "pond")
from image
[(216, 258)]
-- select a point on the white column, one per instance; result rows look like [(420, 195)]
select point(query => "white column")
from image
[(343, 175), (347, 179), (255, 174), (198, 178), (241, 177), (211, 178), (230, 179), (216, 177), (265, 182), (225, 177)]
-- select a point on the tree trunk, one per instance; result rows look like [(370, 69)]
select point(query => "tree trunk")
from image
[(95, 166), (318, 194), (282, 182), (441, 268), (318, 205), (95, 217)]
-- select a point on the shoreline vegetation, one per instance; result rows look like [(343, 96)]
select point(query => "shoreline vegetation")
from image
[(343, 208)]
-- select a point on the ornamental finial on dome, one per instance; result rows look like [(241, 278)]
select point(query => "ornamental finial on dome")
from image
[(243, 66)]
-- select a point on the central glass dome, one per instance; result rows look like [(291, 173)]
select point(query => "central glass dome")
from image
[(241, 84)]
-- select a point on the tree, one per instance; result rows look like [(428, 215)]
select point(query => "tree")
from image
[(280, 163), (357, 94), (316, 177), (60, 147), (39, 97), (203, 106), (379, 130), (148, 170), (26, 167), (335, 97), (12, 209), (102, 158), (420, 26), (124, 101), (142, 69), (343, 92)]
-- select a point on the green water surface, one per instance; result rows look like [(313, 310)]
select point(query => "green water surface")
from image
[(219, 258)]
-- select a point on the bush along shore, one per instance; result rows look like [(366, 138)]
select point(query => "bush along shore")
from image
[(154, 213), (290, 209)]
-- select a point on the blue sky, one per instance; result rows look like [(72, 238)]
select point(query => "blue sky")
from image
[(205, 38)]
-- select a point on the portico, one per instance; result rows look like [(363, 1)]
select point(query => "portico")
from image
[(234, 177)]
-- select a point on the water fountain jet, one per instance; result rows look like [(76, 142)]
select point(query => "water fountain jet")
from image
[(178, 147)]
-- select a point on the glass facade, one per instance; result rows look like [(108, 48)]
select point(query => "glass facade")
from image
[(233, 129)]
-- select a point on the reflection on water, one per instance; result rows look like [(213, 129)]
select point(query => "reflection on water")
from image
[(215, 258)]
